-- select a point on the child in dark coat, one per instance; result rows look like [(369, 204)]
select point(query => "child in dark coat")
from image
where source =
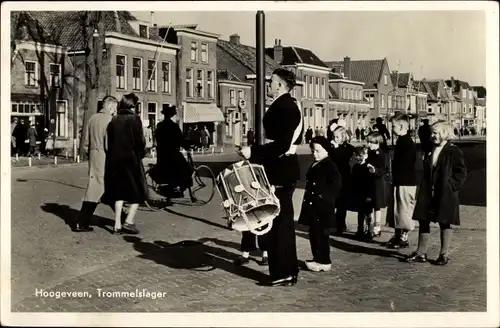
[(323, 182), (361, 186)]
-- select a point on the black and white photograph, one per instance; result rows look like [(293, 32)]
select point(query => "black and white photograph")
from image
[(252, 164)]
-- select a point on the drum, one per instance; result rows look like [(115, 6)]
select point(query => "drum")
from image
[(248, 197)]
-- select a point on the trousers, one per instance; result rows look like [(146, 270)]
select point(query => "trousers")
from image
[(320, 242), (282, 249), (251, 242), (87, 211)]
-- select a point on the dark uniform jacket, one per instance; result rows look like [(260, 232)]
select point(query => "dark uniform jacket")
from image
[(323, 182), (280, 122), (438, 195), (342, 156)]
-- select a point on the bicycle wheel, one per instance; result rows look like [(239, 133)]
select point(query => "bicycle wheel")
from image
[(155, 201), (203, 188)]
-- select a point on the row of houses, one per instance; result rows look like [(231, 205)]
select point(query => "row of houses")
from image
[(211, 81)]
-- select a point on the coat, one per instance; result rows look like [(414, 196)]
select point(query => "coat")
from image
[(341, 156), (124, 177), (31, 136), (172, 168), (280, 123), (438, 193), (378, 184), (323, 181), (96, 139)]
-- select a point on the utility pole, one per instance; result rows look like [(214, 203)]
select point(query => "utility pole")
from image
[(261, 77), (75, 109)]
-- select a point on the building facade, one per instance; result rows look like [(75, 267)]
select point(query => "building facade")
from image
[(313, 93), (463, 91), (480, 118), (196, 78), (376, 76)]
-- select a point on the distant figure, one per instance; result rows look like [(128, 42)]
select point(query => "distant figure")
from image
[(424, 134), (31, 136), (309, 135), (358, 133), (382, 129), (317, 132), (250, 137)]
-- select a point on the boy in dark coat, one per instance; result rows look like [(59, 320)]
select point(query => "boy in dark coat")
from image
[(438, 197), (318, 208), (361, 189)]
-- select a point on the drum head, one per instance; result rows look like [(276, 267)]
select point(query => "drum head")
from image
[(257, 217)]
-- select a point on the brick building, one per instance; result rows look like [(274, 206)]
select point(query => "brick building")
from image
[(463, 91), (41, 79), (375, 75), (406, 97), (314, 74), (440, 100), (196, 78)]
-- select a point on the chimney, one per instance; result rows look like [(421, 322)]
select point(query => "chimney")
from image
[(347, 67), (278, 51), (235, 38), (154, 33)]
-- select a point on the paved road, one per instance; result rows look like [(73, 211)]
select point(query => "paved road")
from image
[(186, 254)]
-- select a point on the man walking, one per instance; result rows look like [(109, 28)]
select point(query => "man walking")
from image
[(96, 136)]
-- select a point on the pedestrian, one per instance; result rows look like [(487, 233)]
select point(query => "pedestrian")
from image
[(95, 139), (309, 135), (124, 179), (404, 180), (363, 134), (171, 169), (250, 137), (12, 136), (323, 182), (205, 137), (357, 132), (424, 134), (148, 136), (438, 198), (376, 163), (20, 133), (31, 135), (341, 154), (282, 124)]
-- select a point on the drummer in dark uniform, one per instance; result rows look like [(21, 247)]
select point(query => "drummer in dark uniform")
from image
[(283, 125)]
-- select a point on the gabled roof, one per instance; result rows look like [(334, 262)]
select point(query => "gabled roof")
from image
[(458, 85), (403, 79), (481, 91), (65, 27), (367, 71), (293, 55), (240, 59), (434, 86)]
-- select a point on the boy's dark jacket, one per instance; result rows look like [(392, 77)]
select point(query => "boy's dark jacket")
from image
[(323, 182)]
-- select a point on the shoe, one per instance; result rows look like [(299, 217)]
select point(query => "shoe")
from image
[(442, 260), (130, 228), (118, 231), (399, 244), (264, 261), (390, 241), (288, 281), (317, 267), (415, 257), (240, 260), (79, 228)]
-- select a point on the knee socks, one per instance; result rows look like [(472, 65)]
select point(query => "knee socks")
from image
[(445, 241)]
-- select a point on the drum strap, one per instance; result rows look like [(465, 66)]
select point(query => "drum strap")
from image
[(293, 148)]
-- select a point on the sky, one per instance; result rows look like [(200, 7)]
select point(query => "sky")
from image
[(430, 44)]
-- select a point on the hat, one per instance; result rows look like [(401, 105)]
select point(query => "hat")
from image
[(169, 110), (320, 140)]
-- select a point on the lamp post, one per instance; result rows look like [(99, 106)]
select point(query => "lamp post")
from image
[(261, 76)]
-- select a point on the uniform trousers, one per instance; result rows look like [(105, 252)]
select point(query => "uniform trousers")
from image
[(251, 242), (319, 238), (282, 249)]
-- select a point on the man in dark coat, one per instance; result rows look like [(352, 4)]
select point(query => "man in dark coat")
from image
[(382, 129), (20, 133), (283, 125), (309, 135), (172, 168), (250, 137), (438, 197), (358, 133)]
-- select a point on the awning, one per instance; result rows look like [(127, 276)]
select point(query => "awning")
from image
[(195, 113)]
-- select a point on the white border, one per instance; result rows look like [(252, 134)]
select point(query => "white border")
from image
[(258, 319)]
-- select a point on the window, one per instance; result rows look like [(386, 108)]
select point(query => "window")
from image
[(189, 82), (464, 108), (389, 101), (241, 95), (27, 107), (382, 101), (385, 79), (204, 53), (429, 109), (310, 112), (137, 73), (55, 75), (323, 113), (194, 51), (306, 86), (121, 63), (438, 94), (229, 130), (143, 31), (232, 97), (351, 95), (470, 94), (316, 89), (200, 91), (151, 75), (311, 82), (31, 73), (210, 84), (464, 93), (61, 118), (165, 79), (323, 88), (152, 117)]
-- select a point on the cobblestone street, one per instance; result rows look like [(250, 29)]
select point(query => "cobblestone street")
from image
[(186, 254)]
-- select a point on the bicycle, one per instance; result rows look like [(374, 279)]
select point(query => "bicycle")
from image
[(202, 191)]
